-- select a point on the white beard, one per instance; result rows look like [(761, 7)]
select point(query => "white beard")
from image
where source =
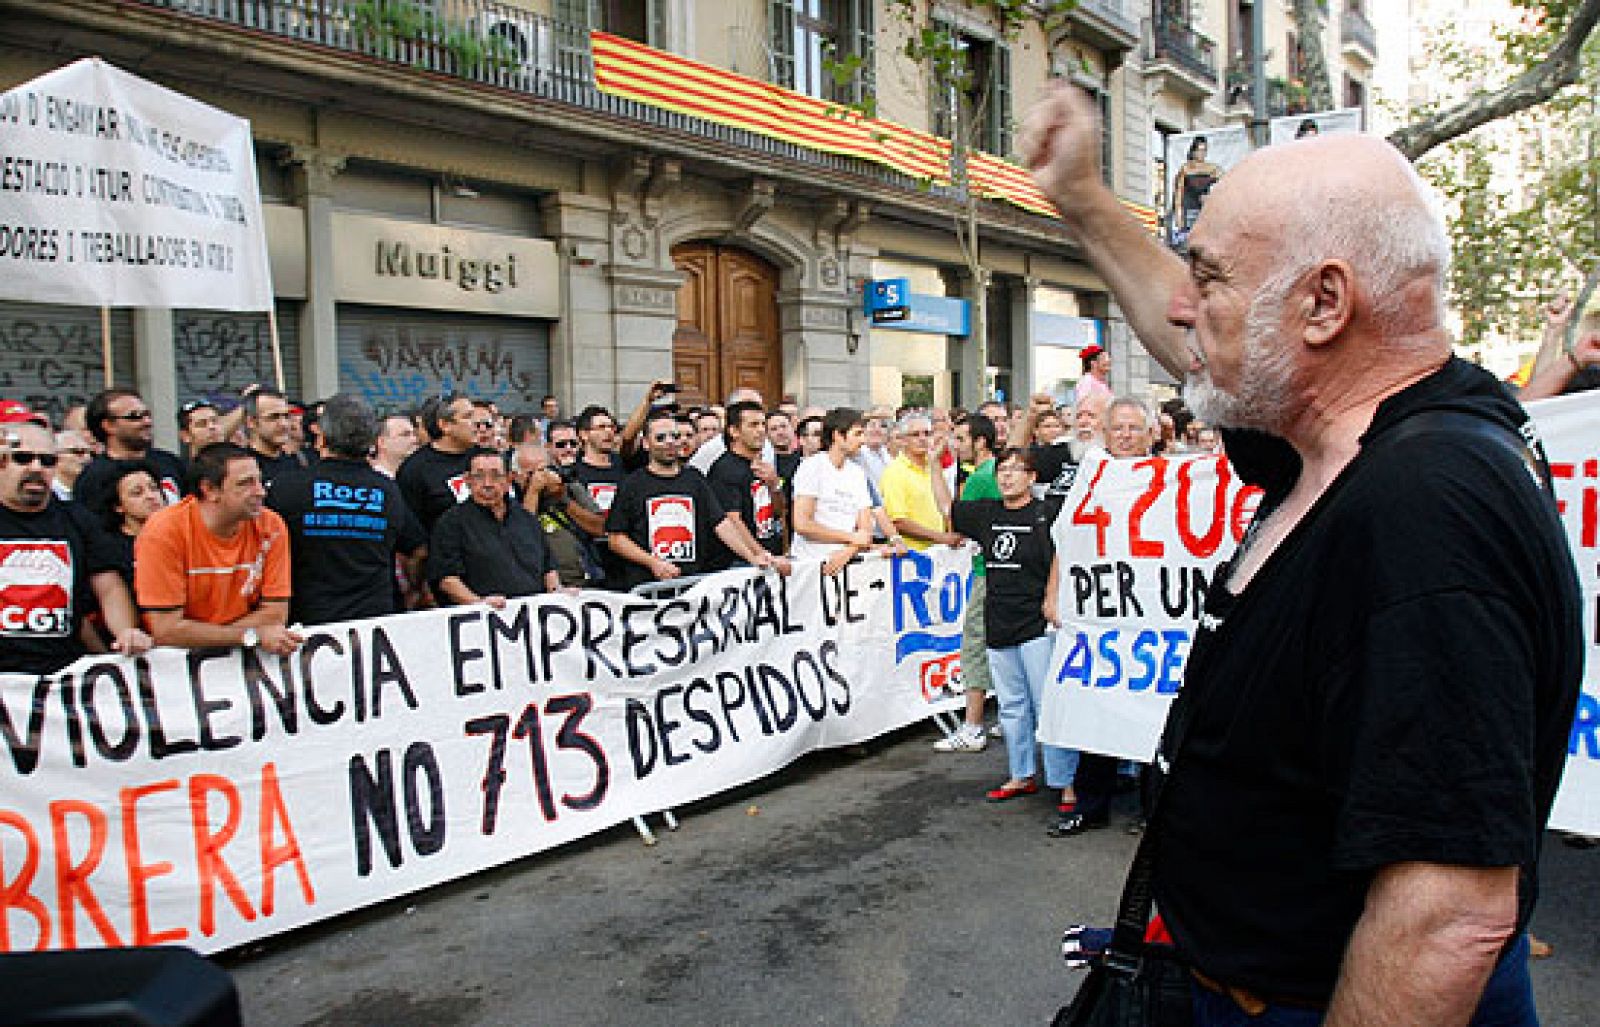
[(1264, 397)]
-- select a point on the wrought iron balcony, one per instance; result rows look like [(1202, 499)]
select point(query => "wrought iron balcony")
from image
[(1174, 43), (1357, 34), (1110, 24)]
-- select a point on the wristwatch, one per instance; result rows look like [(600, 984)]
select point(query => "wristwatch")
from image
[(250, 639)]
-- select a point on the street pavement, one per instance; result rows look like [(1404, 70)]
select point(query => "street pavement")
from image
[(865, 886)]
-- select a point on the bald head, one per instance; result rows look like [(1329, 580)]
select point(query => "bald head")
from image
[(1351, 198)]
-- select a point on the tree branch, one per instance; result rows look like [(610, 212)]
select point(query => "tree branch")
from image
[(1536, 85)]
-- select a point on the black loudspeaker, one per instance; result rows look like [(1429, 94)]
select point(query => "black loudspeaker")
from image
[(166, 986)]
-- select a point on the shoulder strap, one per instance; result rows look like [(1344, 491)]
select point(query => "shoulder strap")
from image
[(1525, 443)]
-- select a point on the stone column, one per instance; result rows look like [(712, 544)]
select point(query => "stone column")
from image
[(644, 314), (582, 356), (313, 175), (156, 375), (825, 361), (1022, 362)]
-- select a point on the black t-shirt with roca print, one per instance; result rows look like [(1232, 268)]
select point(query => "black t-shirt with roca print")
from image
[(1017, 550), (46, 561), (740, 491), (346, 522), (670, 518)]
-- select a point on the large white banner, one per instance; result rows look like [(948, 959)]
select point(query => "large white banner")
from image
[(117, 192), (1570, 426), (211, 798), (1138, 542)]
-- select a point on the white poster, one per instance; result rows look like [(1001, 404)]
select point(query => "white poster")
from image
[(1301, 126), (1570, 426), (117, 192), (1139, 541), (1195, 162), (212, 798)]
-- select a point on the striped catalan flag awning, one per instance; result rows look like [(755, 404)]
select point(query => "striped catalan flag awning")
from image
[(634, 71)]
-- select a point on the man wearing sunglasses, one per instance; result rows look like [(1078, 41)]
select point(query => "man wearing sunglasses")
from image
[(55, 564), (665, 514), (73, 449), (121, 422)]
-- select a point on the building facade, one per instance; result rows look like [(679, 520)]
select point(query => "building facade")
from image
[(453, 201)]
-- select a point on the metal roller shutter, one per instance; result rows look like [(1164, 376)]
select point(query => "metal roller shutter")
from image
[(219, 352), (396, 358), (50, 356)]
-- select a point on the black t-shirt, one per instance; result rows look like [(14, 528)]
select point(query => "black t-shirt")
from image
[(275, 467), (432, 481), (1396, 684), (671, 518), (101, 471), (46, 560), (602, 483), (741, 492), (346, 522), (1055, 469), (491, 556), (1017, 550)]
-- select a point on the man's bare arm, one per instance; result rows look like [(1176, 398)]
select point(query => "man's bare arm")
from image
[(1060, 143), (1425, 945)]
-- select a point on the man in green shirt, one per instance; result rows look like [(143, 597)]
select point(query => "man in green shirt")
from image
[(975, 444)]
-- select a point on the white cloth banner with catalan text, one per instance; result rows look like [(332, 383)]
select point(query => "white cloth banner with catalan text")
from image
[(117, 192)]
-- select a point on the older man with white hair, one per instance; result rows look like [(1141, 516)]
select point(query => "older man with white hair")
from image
[(1378, 699), (907, 486)]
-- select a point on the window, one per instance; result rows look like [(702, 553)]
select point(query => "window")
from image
[(805, 34), (981, 98), (644, 22), (1355, 94)]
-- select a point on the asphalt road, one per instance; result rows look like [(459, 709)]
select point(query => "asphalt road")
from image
[(873, 886)]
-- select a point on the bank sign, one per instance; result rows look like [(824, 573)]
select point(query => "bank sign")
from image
[(401, 264), (891, 305)]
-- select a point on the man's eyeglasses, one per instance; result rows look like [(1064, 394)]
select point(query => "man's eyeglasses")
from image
[(75, 451), (132, 415), (483, 424), (664, 436), (565, 444), (25, 458)]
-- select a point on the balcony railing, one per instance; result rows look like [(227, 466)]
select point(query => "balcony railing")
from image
[(1177, 42), (1357, 30), (1119, 15), (520, 52)]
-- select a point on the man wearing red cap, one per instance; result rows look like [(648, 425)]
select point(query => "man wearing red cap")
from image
[(1096, 380)]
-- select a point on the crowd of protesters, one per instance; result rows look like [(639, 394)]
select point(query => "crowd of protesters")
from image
[(278, 515)]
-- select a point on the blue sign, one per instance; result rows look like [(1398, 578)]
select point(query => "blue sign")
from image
[(886, 294)]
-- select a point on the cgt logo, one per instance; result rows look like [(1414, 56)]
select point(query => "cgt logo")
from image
[(940, 678), (35, 588), (671, 527)]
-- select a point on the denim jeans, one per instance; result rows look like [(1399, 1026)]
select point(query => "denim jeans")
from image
[(1019, 673), (1507, 1001)]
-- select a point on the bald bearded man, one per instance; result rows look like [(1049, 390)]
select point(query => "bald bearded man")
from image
[(1376, 707)]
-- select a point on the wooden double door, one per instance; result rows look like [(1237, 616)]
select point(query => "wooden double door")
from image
[(727, 335)]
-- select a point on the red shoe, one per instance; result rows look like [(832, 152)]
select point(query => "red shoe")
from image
[(1010, 791)]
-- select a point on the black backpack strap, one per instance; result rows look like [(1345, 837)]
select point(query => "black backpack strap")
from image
[(1524, 443)]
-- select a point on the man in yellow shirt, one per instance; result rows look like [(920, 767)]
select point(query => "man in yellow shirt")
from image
[(907, 488)]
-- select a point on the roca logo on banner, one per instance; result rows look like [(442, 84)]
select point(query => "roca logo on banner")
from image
[(671, 526), (35, 588)]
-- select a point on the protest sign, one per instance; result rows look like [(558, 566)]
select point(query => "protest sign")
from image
[(1138, 541), (1570, 427), (117, 192), (210, 798)]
